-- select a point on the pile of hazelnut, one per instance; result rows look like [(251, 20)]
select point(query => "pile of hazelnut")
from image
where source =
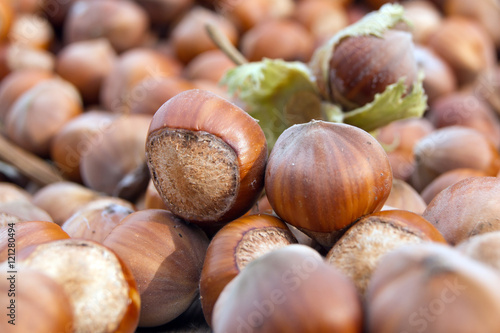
[(249, 166)]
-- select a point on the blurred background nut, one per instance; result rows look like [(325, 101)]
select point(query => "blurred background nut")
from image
[(85, 64), (116, 164), (444, 291), (124, 23), (63, 199), (40, 112), (76, 139)]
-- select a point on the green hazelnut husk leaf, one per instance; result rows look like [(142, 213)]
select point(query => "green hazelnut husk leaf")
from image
[(276, 93), (393, 104)]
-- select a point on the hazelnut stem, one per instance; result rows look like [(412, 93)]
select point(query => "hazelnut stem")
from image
[(225, 45), (28, 164)]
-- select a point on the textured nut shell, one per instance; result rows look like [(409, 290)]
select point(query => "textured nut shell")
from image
[(202, 111), (363, 66), (323, 176), (99, 274), (168, 276), (358, 252), (209, 65), (467, 208), (223, 259), (439, 78), (155, 91), (60, 200), (401, 136)]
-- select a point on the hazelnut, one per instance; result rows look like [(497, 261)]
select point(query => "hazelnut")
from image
[(466, 208), (123, 23), (196, 137), (90, 274), (289, 290), (318, 160), (168, 276), (449, 148), (236, 245), (432, 288), (359, 250)]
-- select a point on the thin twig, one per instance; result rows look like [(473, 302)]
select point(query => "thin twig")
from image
[(225, 45), (30, 165)]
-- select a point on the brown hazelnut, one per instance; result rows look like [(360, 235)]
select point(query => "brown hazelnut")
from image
[(277, 39), (32, 30), (465, 209), (41, 304), (236, 245), (85, 64), (318, 160), (247, 14), (76, 138), (190, 37), (465, 109), (25, 234), (403, 196), (16, 83), (447, 179), (359, 250), (465, 46), (123, 23), (168, 276), (115, 163), (289, 290), (209, 65), (96, 219), (483, 248), (152, 92), (449, 148), (40, 112), (399, 138), (425, 18), (89, 273), (62, 199), (196, 137), (432, 288), (439, 80), (129, 69)]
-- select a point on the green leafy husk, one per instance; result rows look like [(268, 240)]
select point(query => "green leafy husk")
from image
[(389, 106), (277, 93)]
